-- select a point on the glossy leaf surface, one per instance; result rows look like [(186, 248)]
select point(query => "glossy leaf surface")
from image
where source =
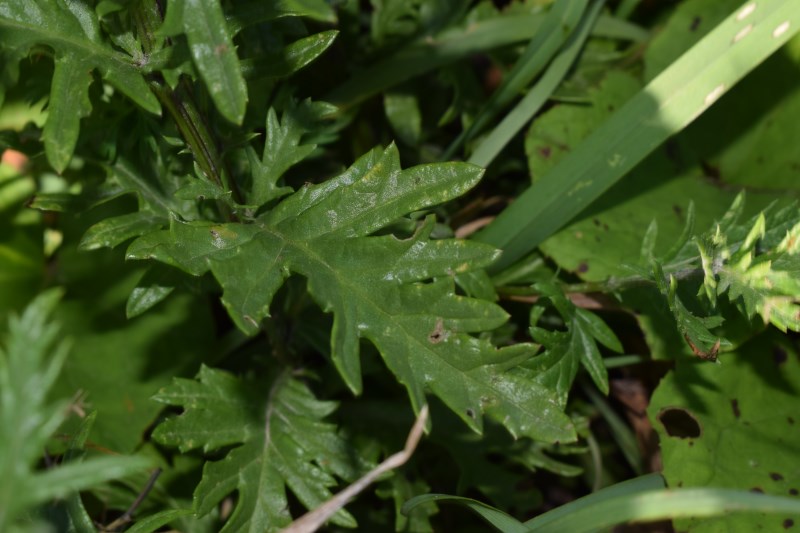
[(377, 287)]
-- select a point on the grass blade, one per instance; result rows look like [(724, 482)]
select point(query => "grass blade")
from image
[(497, 518), (668, 104), (557, 27), (587, 514), (430, 53), (538, 96)]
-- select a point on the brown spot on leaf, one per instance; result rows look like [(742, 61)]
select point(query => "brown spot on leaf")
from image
[(790, 419), (583, 267), (788, 523), (596, 222), (735, 406), (757, 490), (545, 151), (677, 210), (680, 423), (695, 24), (438, 334), (779, 355), (775, 476), (793, 492)]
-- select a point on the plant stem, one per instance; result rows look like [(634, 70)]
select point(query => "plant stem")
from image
[(181, 106), (611, 285)]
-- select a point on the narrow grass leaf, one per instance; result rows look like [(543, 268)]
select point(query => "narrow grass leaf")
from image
[(537, 96), (557, 27), (669, 103), (664, 504), (500, 520)]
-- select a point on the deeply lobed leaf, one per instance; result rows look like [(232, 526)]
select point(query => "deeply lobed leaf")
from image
[(281, 441), (377, 287)]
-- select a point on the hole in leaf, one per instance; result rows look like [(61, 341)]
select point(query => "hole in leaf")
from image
[(438, 334), (735, 406), (679, 423)]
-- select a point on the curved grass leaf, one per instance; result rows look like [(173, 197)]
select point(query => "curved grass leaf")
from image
[(378, 287), (500, 520), (245, 14), (514, 121), (559, 24), (671, 101), (430, 53)]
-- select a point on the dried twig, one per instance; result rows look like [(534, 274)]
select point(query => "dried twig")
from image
[(313, 520), (127, 516)]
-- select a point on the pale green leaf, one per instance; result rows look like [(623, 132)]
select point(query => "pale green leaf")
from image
[(214, 55), (733, 426)]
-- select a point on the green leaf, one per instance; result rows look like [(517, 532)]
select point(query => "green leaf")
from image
[(283, 148), (402, 111), (211, 46), (251, 12), (495, 517), (535, 99), (110, 232), (375, 286), (292, 58), (565, 351), (430, 53), (72, 30), (753, 279), (156, 521), (27, 419), (559, 24), (731, 426), (71, 81), (677, 96), (118, 364), (280, 441)]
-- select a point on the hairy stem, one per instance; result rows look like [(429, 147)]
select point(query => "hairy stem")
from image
[(183, 110)]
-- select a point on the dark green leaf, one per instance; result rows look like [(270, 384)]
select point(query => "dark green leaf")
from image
[(375, 287), (281, 441)]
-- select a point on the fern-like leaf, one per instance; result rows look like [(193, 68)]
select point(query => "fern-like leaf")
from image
[(281, 441)]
